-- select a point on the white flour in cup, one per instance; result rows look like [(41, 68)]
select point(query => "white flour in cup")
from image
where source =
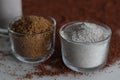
[(85, 45)]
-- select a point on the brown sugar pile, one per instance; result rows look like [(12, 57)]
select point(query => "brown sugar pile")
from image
[(31, 25), (35, 39)]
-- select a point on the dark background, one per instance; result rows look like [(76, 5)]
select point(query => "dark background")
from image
[(105, 11)]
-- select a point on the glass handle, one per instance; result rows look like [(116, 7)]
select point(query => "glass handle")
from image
[(4, 42), (4, 33)]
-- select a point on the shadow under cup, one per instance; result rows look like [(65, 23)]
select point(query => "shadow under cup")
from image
[(33, 48)]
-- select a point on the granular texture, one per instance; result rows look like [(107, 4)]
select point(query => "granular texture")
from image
[(86, 32), (90, 33), (31, 25), (36, 38), (105, 11)]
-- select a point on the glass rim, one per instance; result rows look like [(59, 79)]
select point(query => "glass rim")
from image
[(22, 34), (97, 23)]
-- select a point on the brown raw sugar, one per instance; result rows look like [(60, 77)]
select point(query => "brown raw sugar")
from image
[(36, 33), (31, 25)]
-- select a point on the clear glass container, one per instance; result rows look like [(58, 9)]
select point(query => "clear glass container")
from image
[(33, 48), (83, 56)]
